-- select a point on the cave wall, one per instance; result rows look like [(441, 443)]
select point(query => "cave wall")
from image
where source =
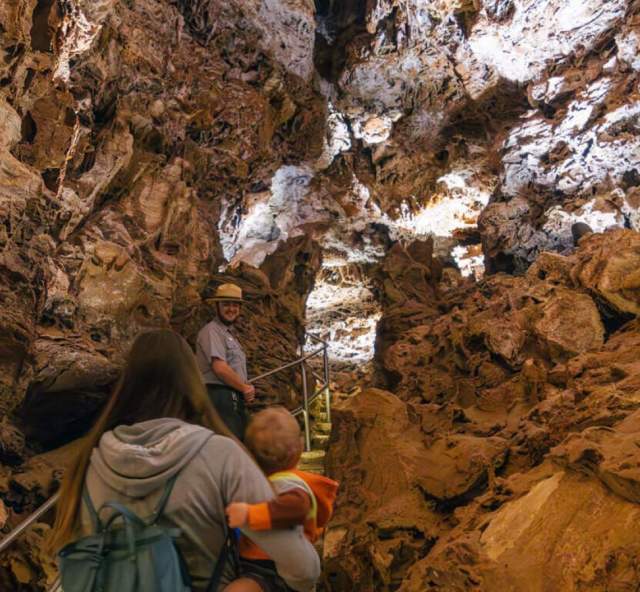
[(495, 449), (125, 126)]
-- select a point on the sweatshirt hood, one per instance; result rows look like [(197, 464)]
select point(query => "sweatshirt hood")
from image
[(136, 460)]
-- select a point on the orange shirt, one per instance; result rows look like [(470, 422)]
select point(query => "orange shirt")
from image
[(305, 499)]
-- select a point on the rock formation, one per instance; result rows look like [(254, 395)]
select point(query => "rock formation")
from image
[(386, 152), (503, 459), (126, 129)]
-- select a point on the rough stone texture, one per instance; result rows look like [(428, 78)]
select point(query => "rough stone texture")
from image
[(405, 284), (574, 155), (538, 99), (378, 430), (509, 119), (145, 144), (126, 128), (26, 565), (555, 530), (610, 269), (488, 334), (509, 441)]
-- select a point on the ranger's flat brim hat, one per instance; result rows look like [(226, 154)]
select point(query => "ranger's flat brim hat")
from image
[(227, 293)]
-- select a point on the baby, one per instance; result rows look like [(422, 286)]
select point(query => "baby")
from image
[(303, 500)]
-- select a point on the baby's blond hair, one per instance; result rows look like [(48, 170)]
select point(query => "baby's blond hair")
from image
[(273, 437)]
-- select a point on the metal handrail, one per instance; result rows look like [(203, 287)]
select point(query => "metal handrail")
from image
[(298, 410), (18, 530), (288, 365), (306, 400), (301, 410)]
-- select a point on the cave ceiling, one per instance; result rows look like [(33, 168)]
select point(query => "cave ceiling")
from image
[(437, 110), (147, 146)]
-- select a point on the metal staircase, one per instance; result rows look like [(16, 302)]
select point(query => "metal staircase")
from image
[(313, 460)]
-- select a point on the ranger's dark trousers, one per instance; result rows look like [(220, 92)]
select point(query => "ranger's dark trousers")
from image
[(230, 407)]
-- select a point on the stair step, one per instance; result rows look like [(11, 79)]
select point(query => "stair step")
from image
[(313, 455), (315, 465), (320, 416), (313, 461), (318, 404), (321, 427), (320, 440), (317, 469)]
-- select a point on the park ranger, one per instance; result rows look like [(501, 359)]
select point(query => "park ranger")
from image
[(222, 360)]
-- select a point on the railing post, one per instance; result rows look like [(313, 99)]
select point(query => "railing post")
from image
[(327, 394), (305, 409)]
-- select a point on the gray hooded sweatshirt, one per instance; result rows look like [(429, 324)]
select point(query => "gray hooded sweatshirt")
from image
[(133, 463)]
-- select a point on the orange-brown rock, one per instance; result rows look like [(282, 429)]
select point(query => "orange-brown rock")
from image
[(489, 334), (126, 129), (120, 144), (383, 520), (552, 529), (609, 267), (520, 405)]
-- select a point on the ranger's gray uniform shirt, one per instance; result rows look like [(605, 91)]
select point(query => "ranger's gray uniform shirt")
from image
[(216, 341)]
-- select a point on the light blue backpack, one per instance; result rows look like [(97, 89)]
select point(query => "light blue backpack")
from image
[(128, 554)]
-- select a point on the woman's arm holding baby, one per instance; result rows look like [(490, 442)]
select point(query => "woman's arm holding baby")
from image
[(296, 560)]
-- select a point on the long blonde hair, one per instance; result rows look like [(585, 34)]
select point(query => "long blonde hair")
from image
[(160, 379)]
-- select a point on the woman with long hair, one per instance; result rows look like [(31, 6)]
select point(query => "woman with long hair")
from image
[(159, 423)]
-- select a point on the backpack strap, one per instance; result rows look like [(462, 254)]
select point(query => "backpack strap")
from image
[(164, 498), (95, 515), (121, 510), (130, 519), (229, 551), (95, 519)]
